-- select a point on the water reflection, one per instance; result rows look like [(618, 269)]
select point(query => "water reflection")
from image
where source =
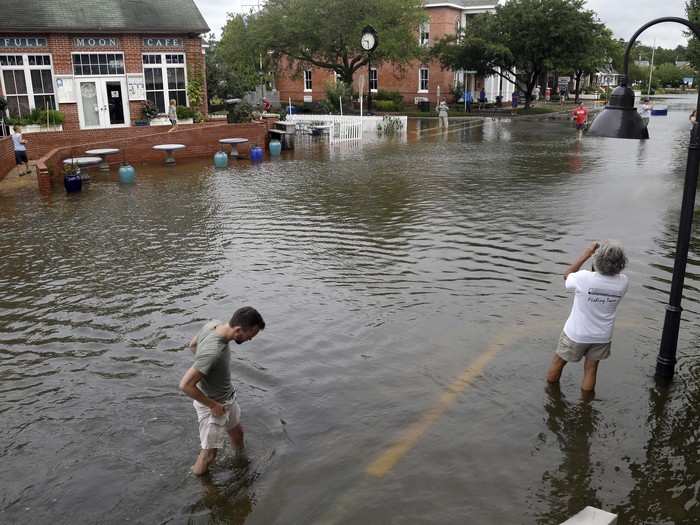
[(570, 487)]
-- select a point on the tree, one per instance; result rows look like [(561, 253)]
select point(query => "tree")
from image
[(521, 40), (239, 62), (668, 75), (326, 33), (591, 47)]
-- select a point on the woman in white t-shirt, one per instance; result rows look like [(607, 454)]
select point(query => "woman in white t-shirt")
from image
[(588, 330)]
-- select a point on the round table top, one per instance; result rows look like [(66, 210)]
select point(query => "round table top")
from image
[(82, 161), (233, 141), (103, 151), (169, 147)]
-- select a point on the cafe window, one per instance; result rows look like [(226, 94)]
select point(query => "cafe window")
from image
[(93, 64), (165, 78), (425, 34), (27, 82), (308, 82)]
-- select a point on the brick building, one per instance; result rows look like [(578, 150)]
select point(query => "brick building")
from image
[(97, 61), (417, 81)]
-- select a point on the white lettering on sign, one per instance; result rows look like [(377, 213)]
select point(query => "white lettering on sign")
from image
[(24, 42), (95, 41), (162, 42)]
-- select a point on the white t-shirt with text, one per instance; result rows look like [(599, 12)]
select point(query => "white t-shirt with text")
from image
[(592, 316)]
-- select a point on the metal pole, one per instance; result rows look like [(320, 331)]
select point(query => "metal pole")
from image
[(666, 359), (369, 83)]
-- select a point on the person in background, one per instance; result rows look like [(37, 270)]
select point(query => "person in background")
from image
[(645, 111), (580, 116), (172, 115), (588, 330), (20, 146), (208, 383), (482, 98), (469, 99), (442, 110), (693, 118)]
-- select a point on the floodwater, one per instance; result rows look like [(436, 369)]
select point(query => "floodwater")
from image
[(413, 297)]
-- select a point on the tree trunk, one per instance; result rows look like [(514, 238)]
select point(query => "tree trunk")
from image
[(578, 85)]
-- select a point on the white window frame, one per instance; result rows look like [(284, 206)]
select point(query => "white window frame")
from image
[(26, 68), (308, 81), (420, 79), (72, 62), (376, 79), (164, 66), (424, 34)]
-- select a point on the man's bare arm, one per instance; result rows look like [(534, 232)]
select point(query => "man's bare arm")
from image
[(193, 344), (188, 384), (576, 265)]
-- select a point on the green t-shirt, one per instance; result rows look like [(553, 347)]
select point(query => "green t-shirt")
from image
[(213, 359)]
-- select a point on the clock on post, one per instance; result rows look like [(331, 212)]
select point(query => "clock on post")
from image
[(369, 43)]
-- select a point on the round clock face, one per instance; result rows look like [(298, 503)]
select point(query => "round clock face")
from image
[(368, 41)]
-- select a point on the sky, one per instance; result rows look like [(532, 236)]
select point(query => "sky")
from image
[(623, 17)]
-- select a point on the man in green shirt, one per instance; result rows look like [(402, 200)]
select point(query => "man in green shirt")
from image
[(208, 383)]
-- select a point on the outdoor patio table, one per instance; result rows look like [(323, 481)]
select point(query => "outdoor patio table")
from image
[(102, 153), (82, 162), (234, 145), (169, 148)]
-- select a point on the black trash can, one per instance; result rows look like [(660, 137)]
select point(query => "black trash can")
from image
[(424, 106)]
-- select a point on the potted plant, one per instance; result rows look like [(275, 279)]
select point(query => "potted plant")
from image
[(149, 111), (185, 115)]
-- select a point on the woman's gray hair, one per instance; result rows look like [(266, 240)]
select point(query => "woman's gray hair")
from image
[(610, 258)]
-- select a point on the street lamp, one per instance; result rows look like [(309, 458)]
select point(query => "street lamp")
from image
[(620, 120)]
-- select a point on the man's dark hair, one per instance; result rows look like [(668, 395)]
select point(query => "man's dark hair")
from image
[(247, 317)]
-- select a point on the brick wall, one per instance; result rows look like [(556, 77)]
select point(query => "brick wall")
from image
[(391, 77), (201, 140), (61, 48), (7, 156)]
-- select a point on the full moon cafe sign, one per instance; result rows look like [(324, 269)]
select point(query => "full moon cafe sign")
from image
[(22, 42)]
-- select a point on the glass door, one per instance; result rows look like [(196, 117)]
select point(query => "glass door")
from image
[(90, 104), (115, 102)]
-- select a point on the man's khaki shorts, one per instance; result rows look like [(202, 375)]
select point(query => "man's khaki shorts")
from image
[(572, 351), (213, 430)]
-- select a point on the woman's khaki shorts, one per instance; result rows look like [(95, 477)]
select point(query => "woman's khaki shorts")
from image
[(213, 430), (572, 351)]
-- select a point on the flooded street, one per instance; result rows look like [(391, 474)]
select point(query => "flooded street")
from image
[(413, 297)]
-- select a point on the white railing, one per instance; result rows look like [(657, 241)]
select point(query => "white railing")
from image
[(342, 127)]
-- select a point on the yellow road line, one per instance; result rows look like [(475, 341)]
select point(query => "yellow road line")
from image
[(386, 461)]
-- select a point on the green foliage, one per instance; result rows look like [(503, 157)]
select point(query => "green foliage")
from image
[(184, 112), (386, 105), (241, 112), (692, 9), (393, 96), (150, 110), (334, 92), (668, 75), (521, 40), (3, 103), (389, 125), (326, 34), (52, 116), (195, 88), (240, 61)]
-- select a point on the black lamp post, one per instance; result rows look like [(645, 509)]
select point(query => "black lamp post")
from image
[(620, 120)]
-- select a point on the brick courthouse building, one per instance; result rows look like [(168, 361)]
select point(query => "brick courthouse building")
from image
[(97, 61), (416, 81)]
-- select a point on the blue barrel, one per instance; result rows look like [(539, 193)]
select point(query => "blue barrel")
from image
[(256, 154), (275, 148), (127, 174), (73, 183), (220, 159)]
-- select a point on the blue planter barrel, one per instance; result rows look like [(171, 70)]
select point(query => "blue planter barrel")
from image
[(275, 148), (256, 154), (73, 183), (127, 174), (220, 159)]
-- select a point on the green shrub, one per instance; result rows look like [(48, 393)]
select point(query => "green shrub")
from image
[(385, 105), (334, 92), (393, 96), (150, 110), (184, 112), (241, 112), (52, 116)]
